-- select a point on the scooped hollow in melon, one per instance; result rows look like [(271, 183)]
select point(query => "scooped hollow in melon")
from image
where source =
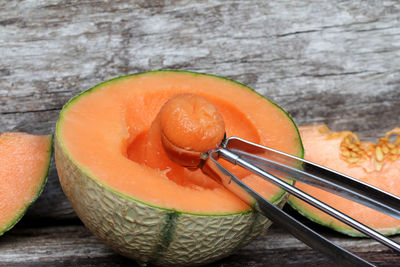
[(376, 164), (121, 183), (24, 161)]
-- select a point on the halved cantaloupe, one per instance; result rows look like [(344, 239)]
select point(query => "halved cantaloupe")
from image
[(118, 178), (24, 161), (376, 164)]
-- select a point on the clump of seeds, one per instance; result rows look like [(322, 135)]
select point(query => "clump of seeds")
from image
[(354, 152), (351, 149)]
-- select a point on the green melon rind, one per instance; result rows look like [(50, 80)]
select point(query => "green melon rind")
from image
[(19, 216), (148, 233), (153, 235), (295, 204)]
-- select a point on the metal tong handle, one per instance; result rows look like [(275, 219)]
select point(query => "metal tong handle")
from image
[(337, 184), (373, 199), (215, 170), (313, 174), (226, 154)]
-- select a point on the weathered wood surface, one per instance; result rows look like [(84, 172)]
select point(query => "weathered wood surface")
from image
[(323, 61), (75, 245)]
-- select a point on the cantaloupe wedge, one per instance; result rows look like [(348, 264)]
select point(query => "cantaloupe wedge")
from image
[(120, 181), (376, 164), (24, 161)]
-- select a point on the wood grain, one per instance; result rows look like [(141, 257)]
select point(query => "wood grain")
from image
[(330, 63), (324, 61), (75, 245)]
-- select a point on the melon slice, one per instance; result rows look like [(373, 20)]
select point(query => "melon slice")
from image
[(120, 181), (24, 161), (376, 164)]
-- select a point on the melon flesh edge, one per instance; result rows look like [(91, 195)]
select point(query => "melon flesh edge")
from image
[(164, 237), (41, 179), (317, 136), (295, 204)]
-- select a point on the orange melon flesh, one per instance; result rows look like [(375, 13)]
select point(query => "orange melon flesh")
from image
[(190, 126), (192, 123), (112, 133), (24, 161), (328, 148)]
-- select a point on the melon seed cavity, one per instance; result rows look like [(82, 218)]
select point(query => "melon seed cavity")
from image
[(353, 151)]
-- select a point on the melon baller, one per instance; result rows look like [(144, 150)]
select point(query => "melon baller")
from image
[(269, 164)]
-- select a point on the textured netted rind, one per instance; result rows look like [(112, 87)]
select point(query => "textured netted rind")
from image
[(149, 234)]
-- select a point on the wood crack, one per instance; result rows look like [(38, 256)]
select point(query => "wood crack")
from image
[(295, 33), (331, 74), (326, 75), (337, 26), (29, 111), (245, 61)]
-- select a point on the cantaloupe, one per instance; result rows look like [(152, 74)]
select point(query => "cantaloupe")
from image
[(24, 161), (376, 164), (118, 178)]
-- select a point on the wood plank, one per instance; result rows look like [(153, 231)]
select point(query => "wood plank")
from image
[(325, 62), (75, 245), (334, 65), (56, 246)]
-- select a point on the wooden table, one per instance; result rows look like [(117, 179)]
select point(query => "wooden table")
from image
[(325, 62)]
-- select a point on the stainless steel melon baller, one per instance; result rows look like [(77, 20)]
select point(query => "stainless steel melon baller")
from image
[(268, 164)]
